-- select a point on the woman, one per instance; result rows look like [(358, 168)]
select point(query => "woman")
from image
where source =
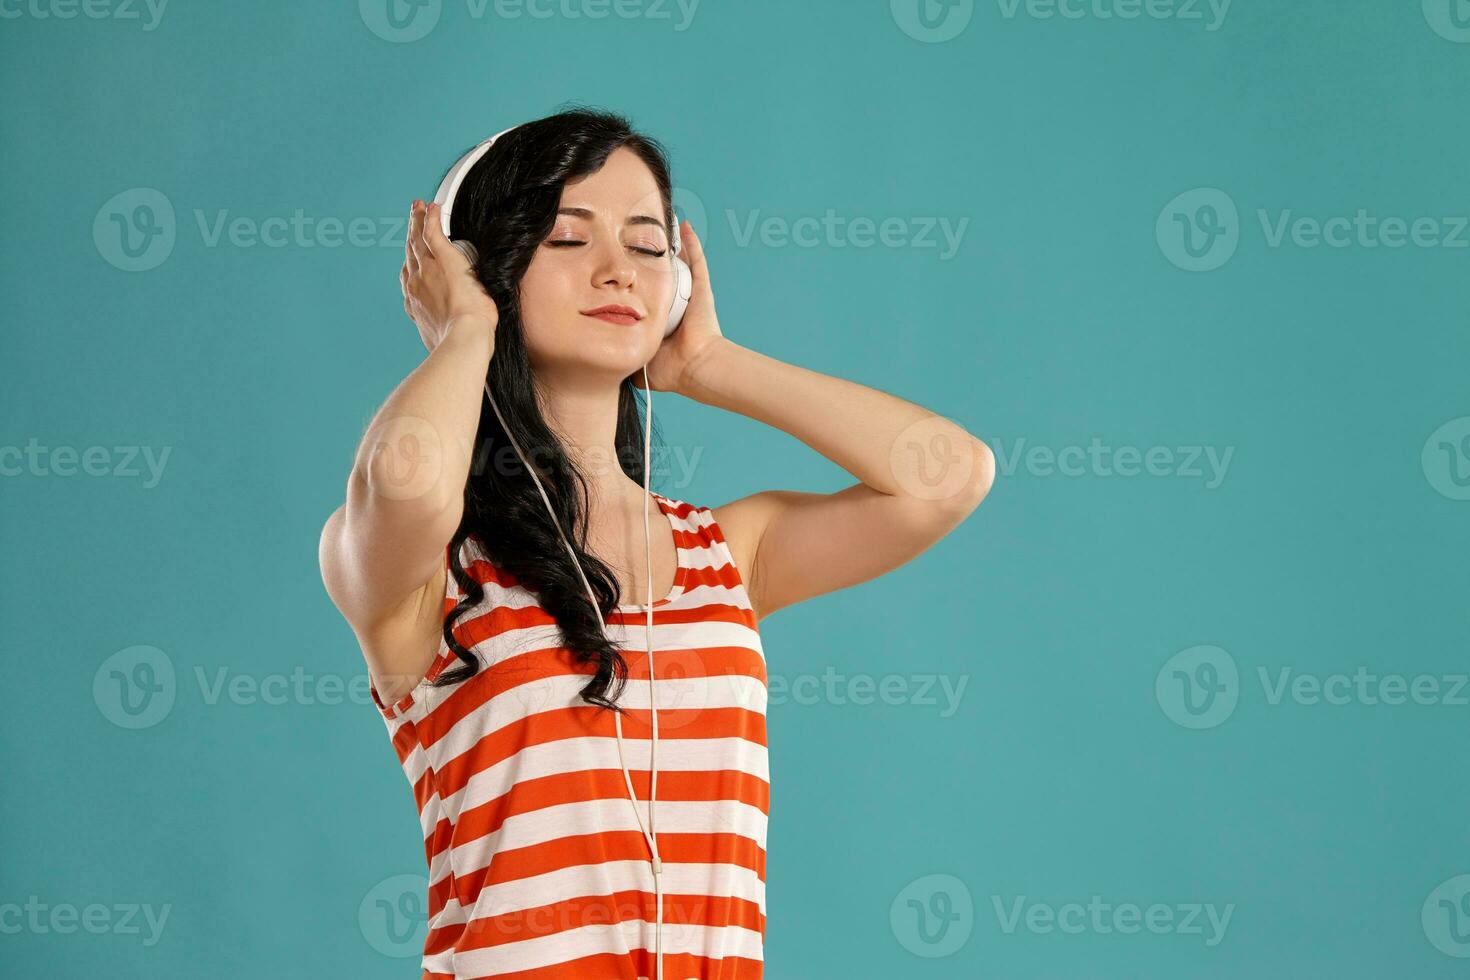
[(528, 722)]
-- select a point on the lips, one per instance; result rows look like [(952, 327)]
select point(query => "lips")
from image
[(622, 315)]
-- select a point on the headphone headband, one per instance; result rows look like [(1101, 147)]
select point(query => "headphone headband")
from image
[(449, 187)]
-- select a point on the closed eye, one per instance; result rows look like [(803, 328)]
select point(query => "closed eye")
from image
[(564, 243)]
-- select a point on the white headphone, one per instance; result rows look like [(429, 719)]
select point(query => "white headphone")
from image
[(683, 288), (449, 188)]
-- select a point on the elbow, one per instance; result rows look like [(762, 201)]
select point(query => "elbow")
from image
[(985, 469), (981, 478), (984, 476)]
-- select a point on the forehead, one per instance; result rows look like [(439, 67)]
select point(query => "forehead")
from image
[(623, 185)]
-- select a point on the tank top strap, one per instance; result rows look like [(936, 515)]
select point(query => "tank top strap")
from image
[(710, 570)]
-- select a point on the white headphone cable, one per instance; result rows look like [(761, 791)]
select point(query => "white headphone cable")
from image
[(683, 288), (648, 832)]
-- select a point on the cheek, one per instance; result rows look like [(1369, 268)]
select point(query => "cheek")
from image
[(657, 288), (545, 294)]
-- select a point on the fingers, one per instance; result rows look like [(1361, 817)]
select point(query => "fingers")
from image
[(410, 253), (693, 250), (428, 225), (431, 266), (438, 243), (405, 279)]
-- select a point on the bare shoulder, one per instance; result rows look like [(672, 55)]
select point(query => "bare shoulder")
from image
[(743, 522)]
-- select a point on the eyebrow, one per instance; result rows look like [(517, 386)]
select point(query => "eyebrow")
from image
[(637, 219)]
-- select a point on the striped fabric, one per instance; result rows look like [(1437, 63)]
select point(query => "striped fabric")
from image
[(537, 868)]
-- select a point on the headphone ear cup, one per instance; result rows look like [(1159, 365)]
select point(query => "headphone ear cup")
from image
[(683, 289), (467, 250)]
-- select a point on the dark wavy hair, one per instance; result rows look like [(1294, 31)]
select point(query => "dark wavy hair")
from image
[(506, 207)]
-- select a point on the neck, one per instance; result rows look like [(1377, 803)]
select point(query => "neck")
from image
[(585, 418)]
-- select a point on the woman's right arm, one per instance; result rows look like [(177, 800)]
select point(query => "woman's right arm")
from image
[(405, 495)]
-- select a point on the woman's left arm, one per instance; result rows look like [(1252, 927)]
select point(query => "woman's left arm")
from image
[(920, 476)]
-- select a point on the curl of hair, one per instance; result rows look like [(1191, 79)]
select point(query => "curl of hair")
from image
[(506, 206)]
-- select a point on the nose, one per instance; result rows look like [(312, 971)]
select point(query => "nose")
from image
[(611, 264)]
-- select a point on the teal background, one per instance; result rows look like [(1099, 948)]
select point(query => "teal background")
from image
[(1061, 775)]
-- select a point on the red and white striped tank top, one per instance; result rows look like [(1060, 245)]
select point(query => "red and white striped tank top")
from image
[(537, 866)]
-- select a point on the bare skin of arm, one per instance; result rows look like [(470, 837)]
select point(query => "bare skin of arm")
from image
[(383, 552), (920, 476)]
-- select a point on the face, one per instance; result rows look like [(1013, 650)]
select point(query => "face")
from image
[(608, 247)]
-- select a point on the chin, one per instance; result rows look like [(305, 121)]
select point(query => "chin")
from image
[(618, 350)]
